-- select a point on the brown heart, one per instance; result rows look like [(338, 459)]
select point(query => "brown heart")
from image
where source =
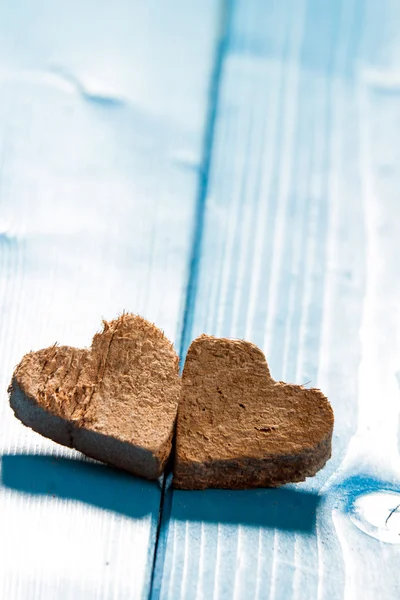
[(238, 428), (115, 402)]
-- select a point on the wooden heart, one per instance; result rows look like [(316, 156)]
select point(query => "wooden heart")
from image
[(115, 402), (238, 428)]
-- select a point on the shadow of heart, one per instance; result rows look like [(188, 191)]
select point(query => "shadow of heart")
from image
[(284, 508), (89, 482), (107, 488)]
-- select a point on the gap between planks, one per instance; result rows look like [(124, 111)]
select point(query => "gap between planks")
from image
[(222, 40)]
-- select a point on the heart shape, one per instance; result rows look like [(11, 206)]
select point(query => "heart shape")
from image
[(116, 402), (238, 428)]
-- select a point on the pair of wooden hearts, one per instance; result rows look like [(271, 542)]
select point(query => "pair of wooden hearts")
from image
[(120, 400)]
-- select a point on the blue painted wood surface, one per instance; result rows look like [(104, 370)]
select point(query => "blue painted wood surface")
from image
[(223, 167), (102, 111), (299, 253)]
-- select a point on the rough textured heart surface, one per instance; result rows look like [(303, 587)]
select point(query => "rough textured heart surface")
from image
[(238, 428), (116, 402)]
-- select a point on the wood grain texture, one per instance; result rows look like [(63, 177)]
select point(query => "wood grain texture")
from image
[(299, 254), (102, 110)]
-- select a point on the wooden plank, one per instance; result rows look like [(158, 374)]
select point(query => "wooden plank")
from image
[(299, 254), (102, 109)]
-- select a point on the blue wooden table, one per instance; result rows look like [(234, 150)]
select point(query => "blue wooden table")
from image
[(225, 167)]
